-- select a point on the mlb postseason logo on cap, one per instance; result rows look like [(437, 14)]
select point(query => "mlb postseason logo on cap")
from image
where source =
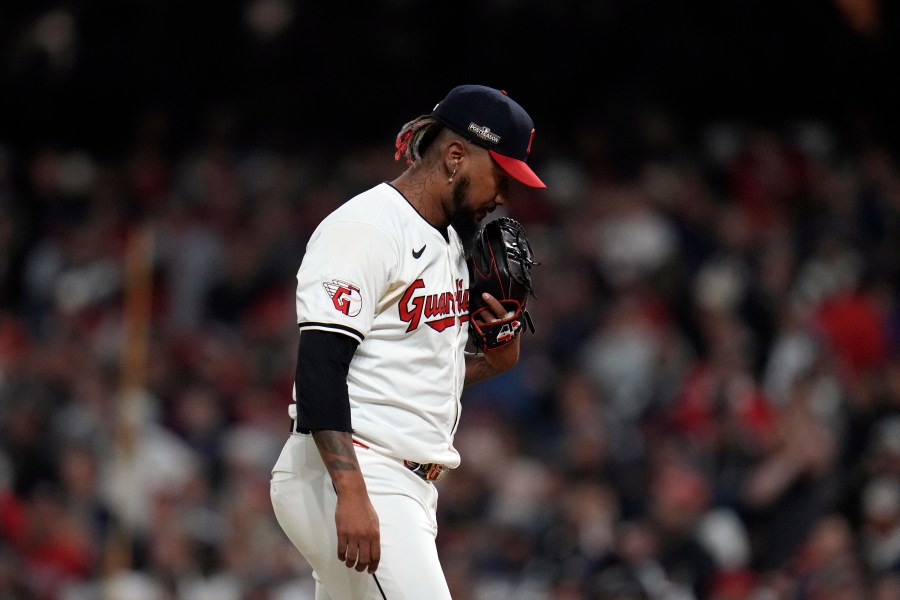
[(491, 119), (484, 133)]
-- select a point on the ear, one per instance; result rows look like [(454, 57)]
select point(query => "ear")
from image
[(454, 152)]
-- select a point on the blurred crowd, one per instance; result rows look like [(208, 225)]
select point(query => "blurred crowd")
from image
[(709, 408)]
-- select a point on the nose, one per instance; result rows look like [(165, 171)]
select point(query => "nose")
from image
[(502, 194)]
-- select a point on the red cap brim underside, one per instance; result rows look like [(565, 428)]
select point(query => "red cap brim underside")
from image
[(518, 170)]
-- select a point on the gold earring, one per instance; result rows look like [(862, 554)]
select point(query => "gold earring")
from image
[(450, 180)]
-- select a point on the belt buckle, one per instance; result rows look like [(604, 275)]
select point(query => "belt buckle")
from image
[(427, 471)]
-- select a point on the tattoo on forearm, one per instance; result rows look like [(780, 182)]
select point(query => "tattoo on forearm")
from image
[(337, 450), (477, 368), (334, 442), (341, 465)]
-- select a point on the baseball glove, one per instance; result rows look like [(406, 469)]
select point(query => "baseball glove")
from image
[(500, 264)]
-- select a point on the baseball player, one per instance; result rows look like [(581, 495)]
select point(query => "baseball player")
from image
[(382, 307)]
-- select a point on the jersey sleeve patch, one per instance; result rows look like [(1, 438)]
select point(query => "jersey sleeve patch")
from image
[(345, 296)]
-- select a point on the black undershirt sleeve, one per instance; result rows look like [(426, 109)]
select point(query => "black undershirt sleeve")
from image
[(323, 360)]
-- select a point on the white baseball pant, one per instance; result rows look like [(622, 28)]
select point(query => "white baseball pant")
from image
[(304, 502)]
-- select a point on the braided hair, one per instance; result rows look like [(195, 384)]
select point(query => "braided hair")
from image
[(415, 137)]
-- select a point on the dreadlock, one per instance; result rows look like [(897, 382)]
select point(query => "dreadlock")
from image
[(415, 137)]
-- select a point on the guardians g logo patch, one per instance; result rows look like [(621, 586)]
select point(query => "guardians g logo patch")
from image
[(345, 296)]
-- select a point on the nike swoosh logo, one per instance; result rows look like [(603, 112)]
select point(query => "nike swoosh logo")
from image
[(419, 253)]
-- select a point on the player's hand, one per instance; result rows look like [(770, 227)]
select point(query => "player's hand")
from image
[(358, 532), (504, 357)]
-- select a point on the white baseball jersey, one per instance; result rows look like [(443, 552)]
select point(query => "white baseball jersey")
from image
[(377, 271)]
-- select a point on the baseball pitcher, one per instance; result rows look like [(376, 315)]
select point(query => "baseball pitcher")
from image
[(393, 285)]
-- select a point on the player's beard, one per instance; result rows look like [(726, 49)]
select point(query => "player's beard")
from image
[(464, 220)]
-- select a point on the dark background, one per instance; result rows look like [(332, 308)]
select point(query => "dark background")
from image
[(335, 73), (718, 304)]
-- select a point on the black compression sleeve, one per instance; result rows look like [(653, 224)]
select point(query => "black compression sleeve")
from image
[(323, 360)]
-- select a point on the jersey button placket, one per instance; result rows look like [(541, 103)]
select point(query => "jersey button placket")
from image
[(454, 339)]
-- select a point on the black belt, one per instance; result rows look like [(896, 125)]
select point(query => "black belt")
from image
[(426, 471)]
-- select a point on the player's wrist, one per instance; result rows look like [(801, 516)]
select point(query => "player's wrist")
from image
[(505, 357), (349, 485)]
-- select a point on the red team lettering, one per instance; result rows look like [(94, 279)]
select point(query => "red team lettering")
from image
[(341, 303), (434, 307)]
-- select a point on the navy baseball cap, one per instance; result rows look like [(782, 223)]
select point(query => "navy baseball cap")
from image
[(493, 120)]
